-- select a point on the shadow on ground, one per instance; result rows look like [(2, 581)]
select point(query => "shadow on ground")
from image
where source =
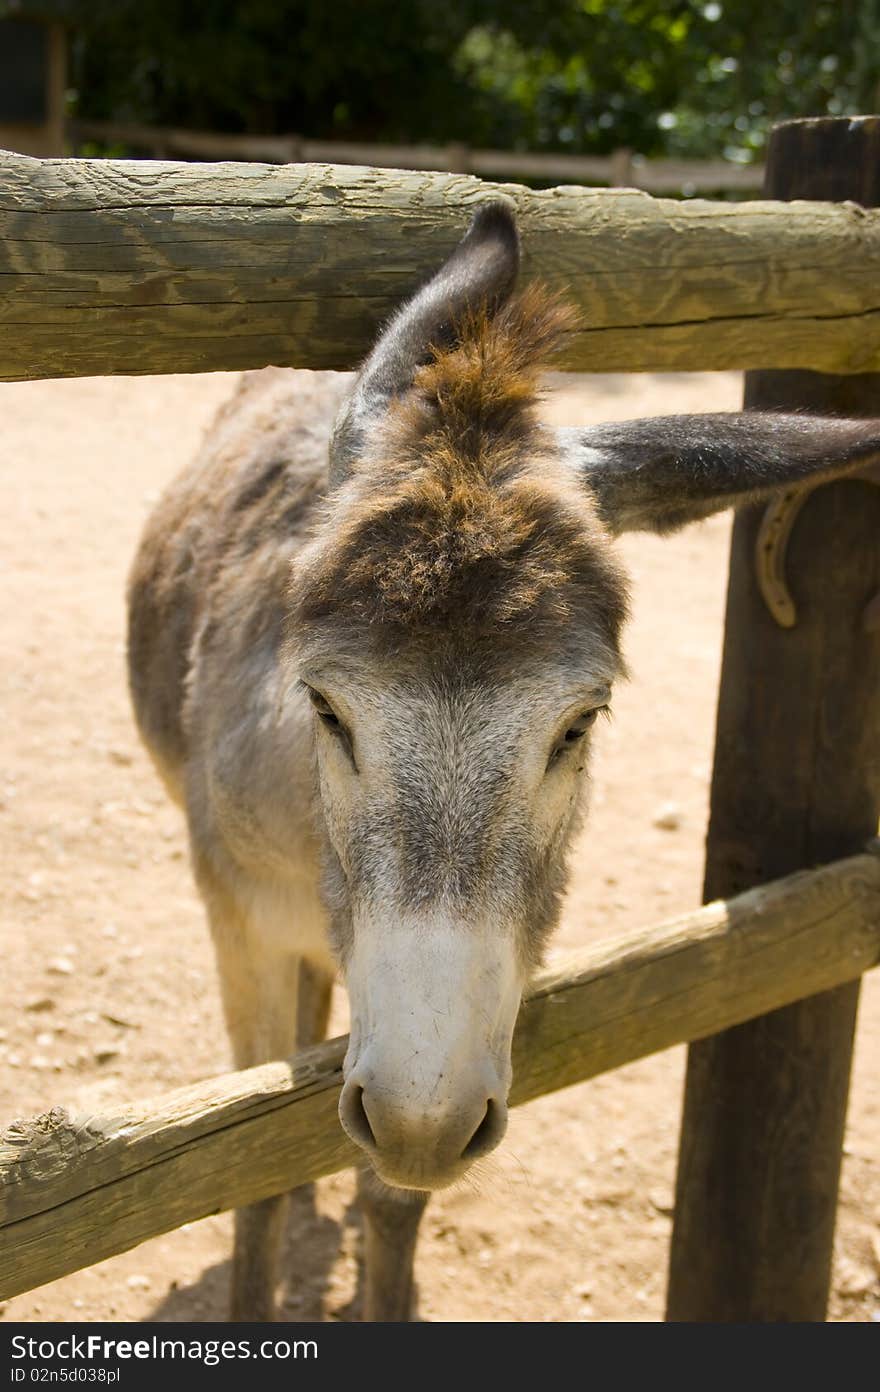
[(311, 1247)]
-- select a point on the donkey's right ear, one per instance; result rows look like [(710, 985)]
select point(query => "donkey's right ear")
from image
[(480, 272), (657, 474)]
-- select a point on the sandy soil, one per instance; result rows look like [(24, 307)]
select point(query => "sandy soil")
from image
[(109, 989)]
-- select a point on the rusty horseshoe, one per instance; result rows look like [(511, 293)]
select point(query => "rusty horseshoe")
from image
[(771, 545)]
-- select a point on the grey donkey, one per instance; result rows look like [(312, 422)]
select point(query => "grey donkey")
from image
[(367, 661)]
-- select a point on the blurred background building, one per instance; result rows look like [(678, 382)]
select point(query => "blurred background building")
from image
[(33, 76)]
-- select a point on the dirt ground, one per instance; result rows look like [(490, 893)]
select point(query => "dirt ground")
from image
[(109, 990)]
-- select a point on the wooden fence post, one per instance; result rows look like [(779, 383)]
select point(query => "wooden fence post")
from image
[(796, 783), (621, 168)]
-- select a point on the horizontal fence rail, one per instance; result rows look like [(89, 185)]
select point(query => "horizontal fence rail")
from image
[(622, 167), (134, 266), (74, 1190)]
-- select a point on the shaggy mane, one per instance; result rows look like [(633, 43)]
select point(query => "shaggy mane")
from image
[(457, 516)]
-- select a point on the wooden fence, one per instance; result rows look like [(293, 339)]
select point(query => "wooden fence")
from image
[(126, 266), (109, 266), (621, 168), (76, 1189)]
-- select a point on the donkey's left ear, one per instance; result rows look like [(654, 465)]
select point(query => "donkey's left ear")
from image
[(480, 274), (658, 474)]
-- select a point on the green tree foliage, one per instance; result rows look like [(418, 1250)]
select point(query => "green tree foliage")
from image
[(687, 77), (371, 68), (670, 76)]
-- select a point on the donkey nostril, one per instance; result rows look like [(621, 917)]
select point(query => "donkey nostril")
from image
[(487, 1134), (354, 1117)]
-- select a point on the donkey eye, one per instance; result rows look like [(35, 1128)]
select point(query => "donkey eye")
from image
[(580, 726), (575, 732), (323, 707), (327, 715)]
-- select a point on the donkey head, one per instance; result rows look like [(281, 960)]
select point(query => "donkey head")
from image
[(456, 623)]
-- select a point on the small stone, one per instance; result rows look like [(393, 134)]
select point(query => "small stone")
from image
[(37, 1003), (60, 966), (44, 1039), (40, 1062), (139, 1283), (854, 1279), (105, 1054), (120, 756), (661, 1202), (13, 1060), (119, 1021), (583, 1292), (668, 817)]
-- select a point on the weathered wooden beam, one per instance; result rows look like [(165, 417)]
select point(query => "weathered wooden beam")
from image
[(76, 1190), (114, 266), (796, 782)]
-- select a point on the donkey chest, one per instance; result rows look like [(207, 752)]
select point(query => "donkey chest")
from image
[(251, 808), (272, 856), (286, 917)]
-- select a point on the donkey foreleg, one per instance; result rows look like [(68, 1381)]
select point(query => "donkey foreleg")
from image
[(274, 1004), (391, 1226), (259, 1231)]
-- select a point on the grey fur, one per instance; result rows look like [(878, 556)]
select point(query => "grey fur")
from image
[(423, 836)]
